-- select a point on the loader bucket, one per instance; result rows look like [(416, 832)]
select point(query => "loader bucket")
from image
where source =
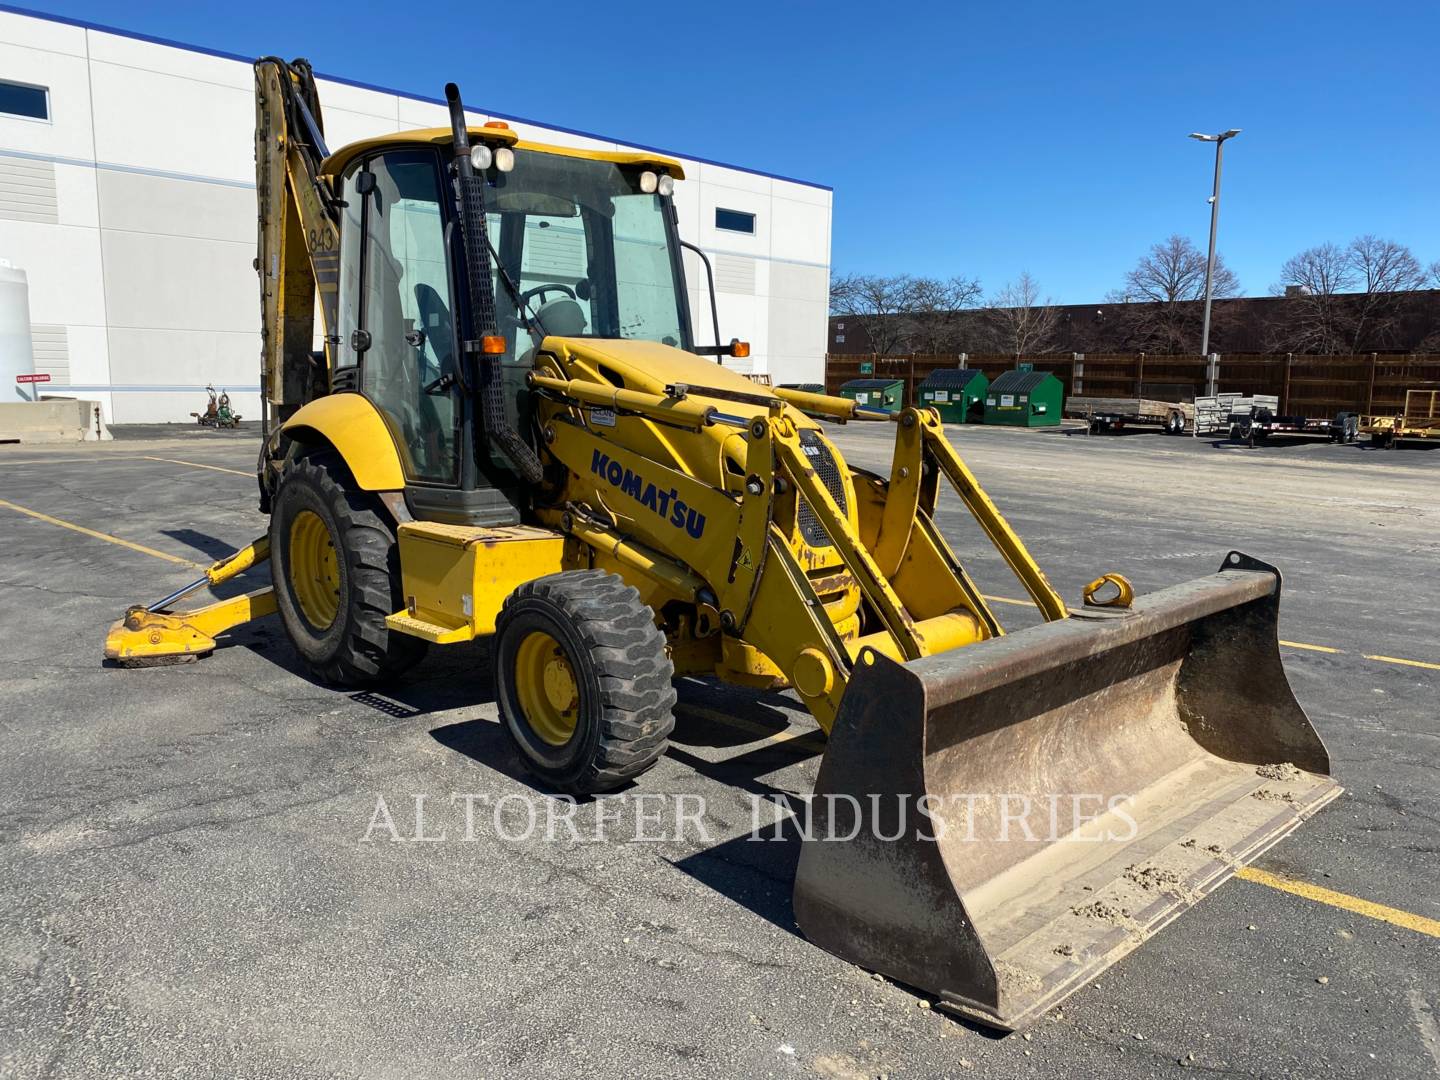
[(998, 824)]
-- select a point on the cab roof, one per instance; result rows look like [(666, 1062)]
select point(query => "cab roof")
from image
[(337, 161)]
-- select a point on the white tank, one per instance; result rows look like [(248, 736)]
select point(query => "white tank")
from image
[(17, 354)]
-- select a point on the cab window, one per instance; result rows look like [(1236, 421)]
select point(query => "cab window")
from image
[(395, 306)]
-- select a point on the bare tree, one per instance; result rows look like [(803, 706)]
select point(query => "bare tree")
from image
[(1384, 269), (1022, 322), (1383, 266), (1163, 289), (873, 301), (1340, 299), (1432, 275), (1319, 271), (934, 311), (1314, 320), (904, 314)]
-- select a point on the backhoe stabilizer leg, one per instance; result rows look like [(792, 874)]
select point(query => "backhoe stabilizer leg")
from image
[(149, 635)]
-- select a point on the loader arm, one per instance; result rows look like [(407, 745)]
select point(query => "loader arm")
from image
[(918, 599)]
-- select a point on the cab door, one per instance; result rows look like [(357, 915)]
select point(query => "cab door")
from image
[(396, 322)]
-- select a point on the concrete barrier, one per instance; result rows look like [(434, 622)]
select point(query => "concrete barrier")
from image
[(54, 420)]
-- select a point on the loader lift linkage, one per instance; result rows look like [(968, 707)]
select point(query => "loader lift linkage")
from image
[(481, 451)]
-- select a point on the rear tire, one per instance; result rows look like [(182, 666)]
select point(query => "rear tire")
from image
[(336, 568), (1175, 424), (582, 680)]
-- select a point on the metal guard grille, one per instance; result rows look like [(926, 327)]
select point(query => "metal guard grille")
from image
[(823, 462)]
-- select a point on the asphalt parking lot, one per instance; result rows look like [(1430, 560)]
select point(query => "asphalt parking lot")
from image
[(196, 878)]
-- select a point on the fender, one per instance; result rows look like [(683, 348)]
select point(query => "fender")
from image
[(359, 434)]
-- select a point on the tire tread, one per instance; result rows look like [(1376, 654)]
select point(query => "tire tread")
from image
[(637, 695)]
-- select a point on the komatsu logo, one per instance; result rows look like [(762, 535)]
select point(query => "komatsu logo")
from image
[(665, 504)]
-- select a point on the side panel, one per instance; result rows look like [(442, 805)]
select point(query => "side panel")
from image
[(355, 428)]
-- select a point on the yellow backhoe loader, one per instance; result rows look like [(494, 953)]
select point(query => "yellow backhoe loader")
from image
[(511, 432)]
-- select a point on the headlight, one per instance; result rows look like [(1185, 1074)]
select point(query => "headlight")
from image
[(666, 185), (649, 182), (504, 159), (480, 156)]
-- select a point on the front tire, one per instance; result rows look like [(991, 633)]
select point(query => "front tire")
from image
[(336, 569), (582, 680)]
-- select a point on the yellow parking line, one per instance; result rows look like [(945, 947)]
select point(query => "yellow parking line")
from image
[(1311, 648), (1427, 665), (1320, 895), (1407, 663), (102, 536), (198, 465), (1008, 600), (66, 457)]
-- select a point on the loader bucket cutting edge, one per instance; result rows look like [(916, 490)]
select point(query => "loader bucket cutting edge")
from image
[(1087, 779)]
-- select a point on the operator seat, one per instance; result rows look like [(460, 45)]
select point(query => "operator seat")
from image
[(560, 318)]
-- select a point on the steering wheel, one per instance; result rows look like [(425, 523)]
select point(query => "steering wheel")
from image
[(541, 290)]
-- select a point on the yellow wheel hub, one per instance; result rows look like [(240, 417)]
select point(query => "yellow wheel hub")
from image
[(314, 569), (546, 686)]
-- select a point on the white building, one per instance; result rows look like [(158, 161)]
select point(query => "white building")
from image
[(127, 195)]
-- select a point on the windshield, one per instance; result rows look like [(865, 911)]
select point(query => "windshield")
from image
[(582, 252)]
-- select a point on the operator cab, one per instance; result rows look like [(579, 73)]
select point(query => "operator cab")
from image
[(580, 244)]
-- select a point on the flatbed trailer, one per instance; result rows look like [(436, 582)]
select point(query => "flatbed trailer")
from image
[(1420, 420), (1118, 413), (1260, 423)]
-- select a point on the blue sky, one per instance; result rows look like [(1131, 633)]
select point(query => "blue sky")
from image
[(959, 138)]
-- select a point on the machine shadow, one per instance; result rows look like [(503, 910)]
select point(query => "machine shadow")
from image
[(212, 547), (755, 870)]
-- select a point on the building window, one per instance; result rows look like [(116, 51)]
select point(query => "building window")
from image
[(839, 339), (21, 99), (839, 326), (734, 221)]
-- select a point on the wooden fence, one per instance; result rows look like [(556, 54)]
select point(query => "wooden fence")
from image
[(1306, 385)]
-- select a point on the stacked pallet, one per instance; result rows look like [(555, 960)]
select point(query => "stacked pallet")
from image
[(1213, 412)]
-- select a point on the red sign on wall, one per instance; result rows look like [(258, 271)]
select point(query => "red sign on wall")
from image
[(32, 378)]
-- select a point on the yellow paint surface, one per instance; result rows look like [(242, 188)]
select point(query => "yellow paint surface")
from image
[(1408, 663), (1320, 895), (199, 465), (1311, 648), (101, 536)]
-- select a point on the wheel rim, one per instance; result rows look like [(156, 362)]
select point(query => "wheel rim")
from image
[(547, 688), (313, 570)]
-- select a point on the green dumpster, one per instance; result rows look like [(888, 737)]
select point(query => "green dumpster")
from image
[(957, 394), (1024, 399), (887, 395)]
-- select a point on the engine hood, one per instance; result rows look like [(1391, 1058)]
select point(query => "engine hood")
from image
[(649, 366)]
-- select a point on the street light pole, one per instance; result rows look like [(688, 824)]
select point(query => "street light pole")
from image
[(1219, 141)]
